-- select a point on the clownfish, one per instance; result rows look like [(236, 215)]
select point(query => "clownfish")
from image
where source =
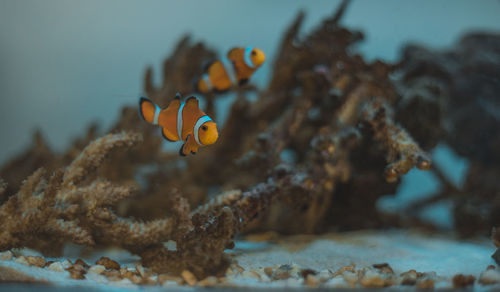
[(181, 121), (236, 68)]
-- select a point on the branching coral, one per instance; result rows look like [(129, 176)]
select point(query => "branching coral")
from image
[(71, 206), (330, 135), (403, 152), (61, 208), (453, 98)]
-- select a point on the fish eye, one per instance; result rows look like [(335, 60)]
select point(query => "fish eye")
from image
[(254, 53), (204, 128)]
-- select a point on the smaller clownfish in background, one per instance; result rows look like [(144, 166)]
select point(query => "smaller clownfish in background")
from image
[(236, 69), (181, 121)]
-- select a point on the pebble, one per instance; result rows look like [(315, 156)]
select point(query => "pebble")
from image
[(136, 279), (282, 273), (350, 268), (490, 277), (462, 281), (337, 282), (425, 284), (141, 271), (409, 278), (189, 278), (237, 268), (383, 268), (269, 271), (122, 282), (81, 263), (66, 264), (305, 272), (76, 272), (36, 261), (373, 279), (22, 260), (208, 282), (324, 275), (426, 280), (6, 255), (112, 275), (312, 281), (251, 274), (97, 269), (108, 263), (56, 266), (126, 272), (350, 277), (165, 279)]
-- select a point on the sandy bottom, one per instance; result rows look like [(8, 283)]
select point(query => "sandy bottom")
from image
[(347, 260)]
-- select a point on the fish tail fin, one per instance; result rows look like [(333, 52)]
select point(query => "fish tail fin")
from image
[(201, 85), (206, 65), (196, 84), (149, 110)]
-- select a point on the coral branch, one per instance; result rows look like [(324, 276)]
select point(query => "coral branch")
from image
[(60, 209), (403, 152), (93, 155), (309, 151)]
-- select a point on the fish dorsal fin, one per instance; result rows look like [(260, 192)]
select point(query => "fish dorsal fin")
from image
[(176, 101), (232, 54), (192, 102)]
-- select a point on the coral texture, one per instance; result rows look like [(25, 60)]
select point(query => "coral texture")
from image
[(330, 135), (453, 99), (336, 123)]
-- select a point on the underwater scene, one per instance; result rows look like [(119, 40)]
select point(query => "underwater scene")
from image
[(240, 145)]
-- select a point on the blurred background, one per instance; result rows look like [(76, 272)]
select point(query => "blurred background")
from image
[(64, 64)]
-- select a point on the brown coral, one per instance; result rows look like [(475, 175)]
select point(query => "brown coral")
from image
[(322, 137), (452, 97), (60, 208)]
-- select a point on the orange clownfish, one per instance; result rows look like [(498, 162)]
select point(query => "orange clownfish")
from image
[(237, 68), (181, 121)]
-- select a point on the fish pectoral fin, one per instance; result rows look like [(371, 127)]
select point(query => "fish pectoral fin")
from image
[(189, 146), (181, 150), (194, 149)]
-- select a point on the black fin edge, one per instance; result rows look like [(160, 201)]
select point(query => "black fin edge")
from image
[(191, 98), (141, 101), (207, 65), (180, 151), (219, 91), (193, 153), (243, 82), (195, 85)]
